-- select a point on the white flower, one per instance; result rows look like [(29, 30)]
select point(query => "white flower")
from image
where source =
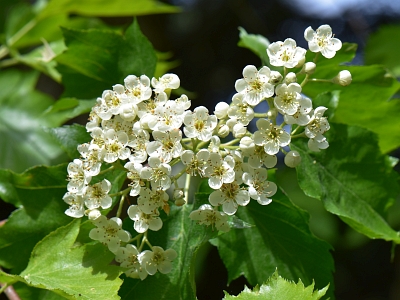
[(147, 109), (77, 176), (76, 202), (287, 99), (115, 145), (215, 143), (93, 156), (165, 82), (134, 175), (318, 124), (157, 173), (130, 258), (316, 145), (285, 54), (322, 41), (270, 136), (260, 188), (300, 117), (230, 195), (195, 164), (208, 216), (166, 117), (150, 200), (240, 111), (143, 221), (292, 159), (138, 141), (255, 85), (199, 124), (109, 232), (158, 259), (138, 88), (166, 145), (96, 195), (183, 101), (256, 154), (220, 170)]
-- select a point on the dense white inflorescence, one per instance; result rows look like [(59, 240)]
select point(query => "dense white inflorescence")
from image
[(137, 123)]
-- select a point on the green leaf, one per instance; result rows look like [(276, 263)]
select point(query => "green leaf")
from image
[(185, 237), (366, 102), (24, 142), (69, 137), (98, 59), (27, 292), (280, 239), (277, 287), (39, 192), (67, 108), (382, 48), (80, 271), (352, 179), (106, 8), (256, 43)]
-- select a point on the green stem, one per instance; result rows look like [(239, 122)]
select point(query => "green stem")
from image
[(201, 145), (2, 289), (187, 186), (8, 63), (107, 170), (135, 238), (299, 135), (294, 130), (121, 204), (3, 51), (20, 33), (177, 176), (259, 115), (305, 80), (321, 80), (121, 193), (234, 141)]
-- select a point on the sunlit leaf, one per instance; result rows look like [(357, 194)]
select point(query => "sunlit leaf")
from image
[(352, 179), (277, 287), (256, 43), (81, 271)]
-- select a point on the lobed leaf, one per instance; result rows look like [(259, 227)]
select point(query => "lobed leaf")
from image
[(352, 179), (280, 239), (277, 287), (80, 271)]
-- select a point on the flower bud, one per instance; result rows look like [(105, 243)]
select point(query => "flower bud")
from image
[(292, 159), (343, 78), (223, 130), (179, 197), (290, 78), (275, 77), (221, 110), (93, 214), (308, 68), (300, 63)]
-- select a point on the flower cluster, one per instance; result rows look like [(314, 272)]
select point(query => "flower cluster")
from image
[(139, 124)]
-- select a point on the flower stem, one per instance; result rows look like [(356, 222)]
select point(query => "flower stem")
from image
[(187, 186), (121, 204)]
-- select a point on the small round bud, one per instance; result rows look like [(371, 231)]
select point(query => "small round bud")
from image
[(275, 77), (223, 130), (93, 214), (343, 78), (179, 197), (309, 68), (300, 63), (292, 159), (221, 110), (290, 78), (180, 202)]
